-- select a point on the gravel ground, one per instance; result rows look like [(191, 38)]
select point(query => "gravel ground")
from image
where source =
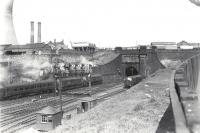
[(137, 110)]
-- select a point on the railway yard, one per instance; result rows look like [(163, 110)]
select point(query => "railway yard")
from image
[(20, 114)]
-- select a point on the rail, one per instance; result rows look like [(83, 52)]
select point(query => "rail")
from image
[(184, 93)]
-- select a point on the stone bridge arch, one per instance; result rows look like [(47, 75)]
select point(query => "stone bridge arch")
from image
[(131, 70)]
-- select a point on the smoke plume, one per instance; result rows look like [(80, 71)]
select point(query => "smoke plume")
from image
[(85, 61)]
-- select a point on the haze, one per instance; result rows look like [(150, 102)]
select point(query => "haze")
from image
[(108, 23)]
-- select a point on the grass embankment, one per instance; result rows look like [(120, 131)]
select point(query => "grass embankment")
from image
[(137, 110)]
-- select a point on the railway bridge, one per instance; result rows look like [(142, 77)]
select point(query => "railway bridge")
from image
[(146, 61), (139, 61)]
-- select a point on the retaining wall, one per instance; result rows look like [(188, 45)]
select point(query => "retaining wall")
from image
[(177, 54), (110, 70), (185, 95)]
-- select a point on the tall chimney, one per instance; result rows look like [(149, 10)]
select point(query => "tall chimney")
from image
[(39, 33), (32, 32)]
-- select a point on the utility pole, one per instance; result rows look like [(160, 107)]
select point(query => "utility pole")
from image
[(57, 76), (89, 78), (60, 92)]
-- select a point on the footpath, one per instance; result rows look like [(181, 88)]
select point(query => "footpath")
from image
[(141, 109)]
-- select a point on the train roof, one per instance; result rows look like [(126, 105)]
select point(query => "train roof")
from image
[(2, 85)]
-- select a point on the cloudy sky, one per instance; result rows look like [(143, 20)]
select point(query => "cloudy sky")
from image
[(108, 23)]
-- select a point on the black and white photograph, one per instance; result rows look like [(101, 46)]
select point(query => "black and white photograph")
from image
[(99, 66)]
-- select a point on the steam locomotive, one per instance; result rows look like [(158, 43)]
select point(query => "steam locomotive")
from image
[(46, 86)]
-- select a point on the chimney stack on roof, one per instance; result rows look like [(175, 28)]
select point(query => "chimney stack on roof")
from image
[(32, 32), (39, 33)]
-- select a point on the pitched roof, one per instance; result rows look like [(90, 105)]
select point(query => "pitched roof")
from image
[(49, 110)]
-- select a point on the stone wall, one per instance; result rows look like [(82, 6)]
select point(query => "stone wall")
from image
[(176, 54), (109, 71)]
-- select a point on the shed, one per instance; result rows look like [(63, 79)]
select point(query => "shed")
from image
[(87, 103), (48, 118)]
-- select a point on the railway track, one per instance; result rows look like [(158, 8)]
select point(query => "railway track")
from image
[(16, 118), (15, 102), (10, 110), (22, 116)]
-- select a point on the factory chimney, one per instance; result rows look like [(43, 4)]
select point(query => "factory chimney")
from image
[(32, 32), (39, 33), (7, 31)]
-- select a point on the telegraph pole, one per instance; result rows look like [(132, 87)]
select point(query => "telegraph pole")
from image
[(60, 92), (57, 76), (89, 77)]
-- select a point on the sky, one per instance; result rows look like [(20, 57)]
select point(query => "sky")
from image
[(108, 23)]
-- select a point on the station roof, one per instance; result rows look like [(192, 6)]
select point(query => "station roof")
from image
[(49, 110), (82, 44)]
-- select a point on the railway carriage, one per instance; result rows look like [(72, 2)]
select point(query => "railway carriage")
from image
[(45, 86)]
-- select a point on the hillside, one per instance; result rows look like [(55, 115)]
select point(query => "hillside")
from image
[(103, 57)]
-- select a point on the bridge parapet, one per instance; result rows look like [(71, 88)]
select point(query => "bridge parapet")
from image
[(185, 94)]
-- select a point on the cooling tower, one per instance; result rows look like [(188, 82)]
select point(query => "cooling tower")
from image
[(7, 31), (196, 2)]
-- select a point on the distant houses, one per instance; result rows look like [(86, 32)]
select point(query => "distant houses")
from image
[(79, 47), (174, 45), (47, 48), (84, 46)]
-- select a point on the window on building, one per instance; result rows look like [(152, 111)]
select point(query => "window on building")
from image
[(44, 118)]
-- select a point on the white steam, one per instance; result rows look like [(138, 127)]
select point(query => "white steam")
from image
[(85, 61), (3, 75), (35, 68)]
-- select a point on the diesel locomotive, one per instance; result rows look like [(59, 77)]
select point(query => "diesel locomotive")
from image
[(132, 80), (46, 86)]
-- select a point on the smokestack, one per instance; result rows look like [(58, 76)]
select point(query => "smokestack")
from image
[(32, 32), (7, 31), (39, 33)]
